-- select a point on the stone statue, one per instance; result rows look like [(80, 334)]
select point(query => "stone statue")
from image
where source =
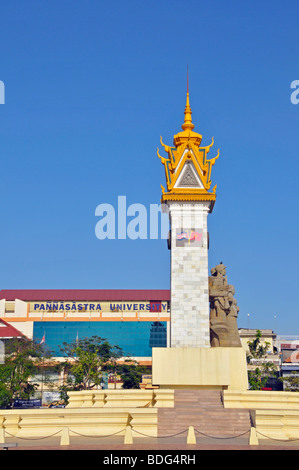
[(223, 310)]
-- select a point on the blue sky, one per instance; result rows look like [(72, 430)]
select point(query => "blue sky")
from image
[(89, 88)]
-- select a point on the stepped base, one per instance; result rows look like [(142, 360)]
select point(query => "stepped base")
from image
[(202, 409)]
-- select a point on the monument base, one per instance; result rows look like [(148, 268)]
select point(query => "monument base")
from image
[(214, 368)]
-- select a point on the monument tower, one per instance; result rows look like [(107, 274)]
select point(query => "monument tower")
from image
[(202, 351), (189, 201)]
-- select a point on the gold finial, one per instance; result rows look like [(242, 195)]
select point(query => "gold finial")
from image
[(188, 125)]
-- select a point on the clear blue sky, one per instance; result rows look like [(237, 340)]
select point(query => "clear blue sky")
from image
[(89, 88)]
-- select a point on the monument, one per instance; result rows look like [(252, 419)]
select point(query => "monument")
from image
[(204, 349), (223, 310)]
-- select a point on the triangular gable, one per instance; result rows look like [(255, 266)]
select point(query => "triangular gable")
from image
[(9, 331), (189, 178), (187, 157)]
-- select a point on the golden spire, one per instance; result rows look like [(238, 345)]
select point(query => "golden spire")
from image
[(188, 125), (186, 152), (187, 134)]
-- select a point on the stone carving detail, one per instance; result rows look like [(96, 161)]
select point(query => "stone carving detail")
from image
[(223, 310), (188, 178)]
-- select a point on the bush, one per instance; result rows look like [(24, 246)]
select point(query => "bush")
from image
[(5, 397)]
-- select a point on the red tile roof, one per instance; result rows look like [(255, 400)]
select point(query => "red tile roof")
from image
[(9, 331), (85, 294)]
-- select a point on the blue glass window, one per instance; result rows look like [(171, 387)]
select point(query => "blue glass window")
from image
[(135, 338)]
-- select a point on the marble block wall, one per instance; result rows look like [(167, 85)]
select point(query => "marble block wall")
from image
[(190, 325)]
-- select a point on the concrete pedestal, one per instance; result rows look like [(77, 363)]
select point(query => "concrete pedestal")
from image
[(217, 368)]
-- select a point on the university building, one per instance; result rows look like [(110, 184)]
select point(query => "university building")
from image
[(135, 320)]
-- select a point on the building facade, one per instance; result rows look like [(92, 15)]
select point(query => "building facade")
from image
[(135, 320)]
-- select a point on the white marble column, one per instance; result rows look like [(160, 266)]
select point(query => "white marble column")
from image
[(190, 326)]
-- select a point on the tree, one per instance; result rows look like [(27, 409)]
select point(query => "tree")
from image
[(22, 361), (256, 349), (131, 373), (86, 358), (5, 396), (129, 370), (259, 377)]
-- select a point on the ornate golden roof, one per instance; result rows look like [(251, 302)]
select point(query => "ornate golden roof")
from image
[(187, 169)]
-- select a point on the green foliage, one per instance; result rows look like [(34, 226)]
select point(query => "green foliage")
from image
[(256, 349), (22, 361), (5, 396), (258, 377), (131, 374), (88, 358), (129, 371), (291, 382), (85, 361)]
